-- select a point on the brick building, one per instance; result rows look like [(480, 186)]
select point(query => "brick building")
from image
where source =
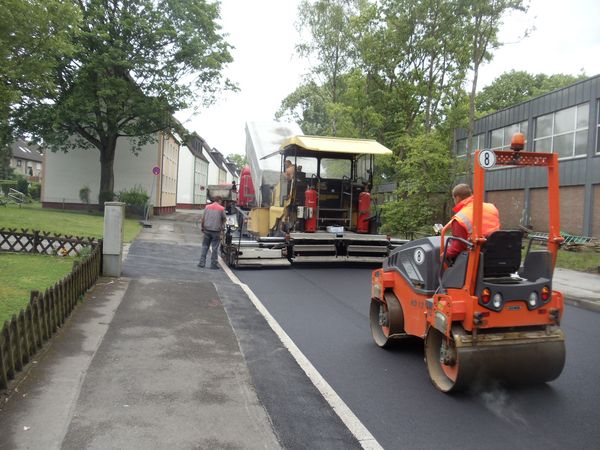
[(565, 121)]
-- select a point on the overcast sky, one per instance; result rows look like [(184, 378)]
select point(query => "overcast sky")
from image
[(565, 39)]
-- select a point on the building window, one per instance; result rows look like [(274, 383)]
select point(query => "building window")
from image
[(461, 145), (19, 162), (563, 132), (501, 137)]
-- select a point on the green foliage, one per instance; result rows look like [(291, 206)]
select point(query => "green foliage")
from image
[(514, 87), (239, 160), (133, 64), (425, 177), (84, 194), (136, 196), (35, 190), (6, 185), (34, 37), (22, 185)]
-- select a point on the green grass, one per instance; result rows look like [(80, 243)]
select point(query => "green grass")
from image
[(79, 223), (583, 260), (22, 273)]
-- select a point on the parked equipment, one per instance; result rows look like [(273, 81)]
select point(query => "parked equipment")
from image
[(319, 212), (487, 316)]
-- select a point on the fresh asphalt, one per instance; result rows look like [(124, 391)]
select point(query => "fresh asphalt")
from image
[(168, 356)]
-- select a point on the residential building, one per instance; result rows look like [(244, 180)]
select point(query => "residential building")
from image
[(27, 160), (565, 121), (153, 168), (192, 178)]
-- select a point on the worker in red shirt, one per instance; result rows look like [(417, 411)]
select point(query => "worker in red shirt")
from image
[(462, 220), (212, 223)]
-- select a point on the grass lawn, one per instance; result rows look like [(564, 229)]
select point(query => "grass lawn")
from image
[(583, 260), (22, 273), (79, 223)]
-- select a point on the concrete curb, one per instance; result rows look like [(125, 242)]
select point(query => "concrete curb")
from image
[(590, 305)]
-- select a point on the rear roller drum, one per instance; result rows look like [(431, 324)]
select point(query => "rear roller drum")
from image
[(387, 320)]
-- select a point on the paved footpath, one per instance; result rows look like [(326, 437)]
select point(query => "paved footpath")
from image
[(151, 361)]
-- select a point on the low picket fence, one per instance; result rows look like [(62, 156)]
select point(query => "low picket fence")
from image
[(27, 332)]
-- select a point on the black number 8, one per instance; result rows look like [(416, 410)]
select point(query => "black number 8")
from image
[(486, 159)]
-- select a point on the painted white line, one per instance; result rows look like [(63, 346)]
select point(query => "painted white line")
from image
[(356, 427)]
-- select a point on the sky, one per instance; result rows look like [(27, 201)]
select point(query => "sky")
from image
[(564, 38)]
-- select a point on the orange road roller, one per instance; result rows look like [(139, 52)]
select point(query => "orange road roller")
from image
[(489, 315)]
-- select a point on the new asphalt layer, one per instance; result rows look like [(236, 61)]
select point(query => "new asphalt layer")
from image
[(174, 356)]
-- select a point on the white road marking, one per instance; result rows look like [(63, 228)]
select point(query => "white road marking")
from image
[(356, 427)]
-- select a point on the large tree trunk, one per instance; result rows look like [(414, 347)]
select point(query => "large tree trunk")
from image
[(107, 176)]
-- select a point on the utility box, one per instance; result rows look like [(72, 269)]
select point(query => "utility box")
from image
[(114, 221)]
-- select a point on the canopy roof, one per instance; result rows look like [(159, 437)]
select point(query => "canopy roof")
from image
[(337, 145)]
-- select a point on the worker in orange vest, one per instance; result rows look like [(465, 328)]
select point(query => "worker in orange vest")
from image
[(462, 220)]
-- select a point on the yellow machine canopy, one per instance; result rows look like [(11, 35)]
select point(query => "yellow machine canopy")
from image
[(335, 145)]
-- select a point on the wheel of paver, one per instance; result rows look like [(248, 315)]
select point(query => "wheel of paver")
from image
[(387, 320)]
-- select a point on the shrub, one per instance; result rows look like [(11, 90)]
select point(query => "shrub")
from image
[(6, 185), (35, 190), (22, 185), (84, 194), (136, 196), (135, 199)]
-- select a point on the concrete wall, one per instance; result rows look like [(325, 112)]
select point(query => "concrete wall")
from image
[(66, 173)]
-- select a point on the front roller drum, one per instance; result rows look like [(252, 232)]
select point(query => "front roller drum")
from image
[(387, 320), (533, 358)]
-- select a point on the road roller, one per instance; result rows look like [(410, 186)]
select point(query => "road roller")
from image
[(490, 315)]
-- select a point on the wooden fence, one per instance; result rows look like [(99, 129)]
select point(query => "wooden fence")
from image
[(26, 333), (41, 242)]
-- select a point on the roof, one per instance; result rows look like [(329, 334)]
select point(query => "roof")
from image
[(196, 143), (337, 145), (23, 150)]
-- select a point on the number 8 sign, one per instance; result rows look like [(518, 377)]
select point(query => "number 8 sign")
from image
[(487, 159)]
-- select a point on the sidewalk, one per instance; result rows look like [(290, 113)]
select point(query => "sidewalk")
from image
[(579, 288), (167, 356)]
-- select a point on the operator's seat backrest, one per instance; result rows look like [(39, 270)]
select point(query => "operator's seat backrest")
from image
[(502, 253)]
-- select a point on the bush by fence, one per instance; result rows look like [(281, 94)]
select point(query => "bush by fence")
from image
[(26, 333)]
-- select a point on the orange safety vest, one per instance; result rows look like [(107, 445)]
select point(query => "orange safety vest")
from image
[(490, 220)]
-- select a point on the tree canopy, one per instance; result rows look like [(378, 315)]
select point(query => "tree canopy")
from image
[(135, 62), (34, 36), (514, 87)]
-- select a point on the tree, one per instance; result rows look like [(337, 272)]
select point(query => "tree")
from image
[(514, 87), (34, 35), (328, 22), (425, 179), (240, 161), (484, 18), (136, 62)]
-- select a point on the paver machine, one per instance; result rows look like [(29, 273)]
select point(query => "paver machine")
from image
[(486, 316), (319, 212)]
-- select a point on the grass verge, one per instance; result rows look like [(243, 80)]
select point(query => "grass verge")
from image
[(22, 273), (77, 223)]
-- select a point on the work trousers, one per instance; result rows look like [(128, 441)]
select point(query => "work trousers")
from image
[(211, 239)]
